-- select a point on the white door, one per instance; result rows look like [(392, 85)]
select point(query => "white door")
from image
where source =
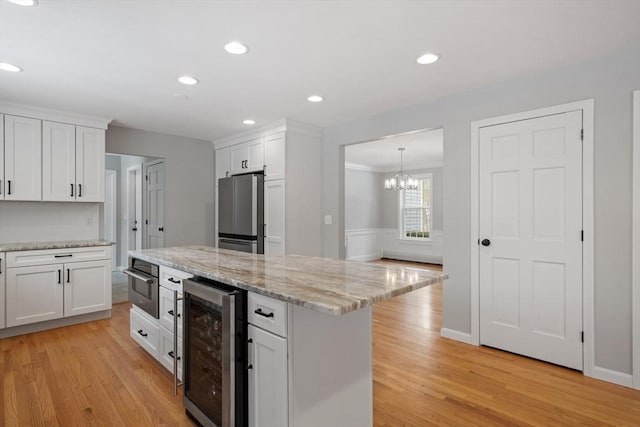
[(58, 162), (134, 208), (268, 396), (154, 222), (530, 238), (87, 287), (110, 215), (274, 216), (34, 294), (22, 158), (90, 164)]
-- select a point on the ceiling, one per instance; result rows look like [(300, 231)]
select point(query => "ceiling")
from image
[(121, 59), (422, 150)]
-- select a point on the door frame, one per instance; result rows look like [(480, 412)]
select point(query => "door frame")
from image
[(635, 252), (111, 179), (587, 106)]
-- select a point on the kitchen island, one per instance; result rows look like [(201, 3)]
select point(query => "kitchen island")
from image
[(326, 376)]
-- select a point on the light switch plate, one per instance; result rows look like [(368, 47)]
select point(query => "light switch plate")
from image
[(328, 220)]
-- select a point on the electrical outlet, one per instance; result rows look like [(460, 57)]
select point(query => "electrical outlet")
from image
[(89, 220), (328, 220)]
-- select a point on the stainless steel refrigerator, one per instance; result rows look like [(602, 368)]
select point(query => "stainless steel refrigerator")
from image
[(241, 213)]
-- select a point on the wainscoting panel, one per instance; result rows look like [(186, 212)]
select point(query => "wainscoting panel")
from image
[(363, 244), (375, 243)]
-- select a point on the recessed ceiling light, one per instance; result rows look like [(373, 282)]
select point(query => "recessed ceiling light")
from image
[(25, 2), (249, 122), (236, 48), (315, 98), (428, 58), (188, 80), (10, 67)]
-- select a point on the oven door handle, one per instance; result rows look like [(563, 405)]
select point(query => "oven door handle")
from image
[(147, 279)]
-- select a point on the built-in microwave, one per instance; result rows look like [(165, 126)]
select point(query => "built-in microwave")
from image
[(143, 285)]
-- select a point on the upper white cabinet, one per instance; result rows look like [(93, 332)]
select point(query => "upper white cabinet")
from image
[(274, 157), (90, 158), (223, 163), (247, 156), (22, 159), (58, 162)]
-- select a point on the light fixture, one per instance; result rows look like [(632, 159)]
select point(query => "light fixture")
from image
[(401, 180), (188, 80), (24, 2), (315, 98), (236, 48), (10, 67), (249, 122), (428, 58)]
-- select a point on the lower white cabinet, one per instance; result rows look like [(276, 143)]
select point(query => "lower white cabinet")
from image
[(268, 391), (144, 331), (53, 290), (166, 352), (2, 289)]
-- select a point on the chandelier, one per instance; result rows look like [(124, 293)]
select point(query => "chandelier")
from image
[(401, 180)]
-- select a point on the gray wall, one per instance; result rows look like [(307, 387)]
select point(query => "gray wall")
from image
[(189, 178), (363, 199), (610, 81)]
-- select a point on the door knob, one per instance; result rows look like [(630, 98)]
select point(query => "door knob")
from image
[(485, 242), (160, 228)]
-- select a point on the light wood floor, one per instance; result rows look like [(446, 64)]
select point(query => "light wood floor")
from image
[(94, 374)]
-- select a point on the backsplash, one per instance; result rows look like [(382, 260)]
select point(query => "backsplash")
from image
[(48, 221)]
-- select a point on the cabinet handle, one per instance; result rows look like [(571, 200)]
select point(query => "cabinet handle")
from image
[(9, 182), (59, 280), (0, 265), (262, 313), (172, 280), (161, 229), (71, 190), (68, 276), (142, 333), (170, 354), (1, 187), (170, 312), (250, 366), (79, 190), (63, 256)]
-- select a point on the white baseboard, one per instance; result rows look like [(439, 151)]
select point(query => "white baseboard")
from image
[(365, 258), (404, 256), (611, 376), (456, 335)]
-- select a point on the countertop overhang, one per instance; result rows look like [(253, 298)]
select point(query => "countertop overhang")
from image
[(326, 285)]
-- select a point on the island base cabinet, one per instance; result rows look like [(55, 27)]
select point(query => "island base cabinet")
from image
[(34, 294), (268, 389), (87, 287), (166, 352), (144, 332)]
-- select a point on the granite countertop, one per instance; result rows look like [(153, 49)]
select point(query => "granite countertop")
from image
[(320, 284), (62, 244)]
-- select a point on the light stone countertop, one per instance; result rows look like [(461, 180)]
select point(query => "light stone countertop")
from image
[(61, 244), (325, 285)]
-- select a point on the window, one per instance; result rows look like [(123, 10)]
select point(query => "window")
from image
[(415, 210)]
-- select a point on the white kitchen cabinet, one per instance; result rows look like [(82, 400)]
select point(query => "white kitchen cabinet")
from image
[(22, 158), (223, 163), (2, 290), (274, 157), (34, 294), (144, 330), (1, 156), (247, 156), (268, 379), (166, 352), (167, 312), (50, 284), (90, 164), (274, 217), (58, 162), (87, 287)]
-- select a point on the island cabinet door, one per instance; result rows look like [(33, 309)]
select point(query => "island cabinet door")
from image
[(34, 294), (268, 394)]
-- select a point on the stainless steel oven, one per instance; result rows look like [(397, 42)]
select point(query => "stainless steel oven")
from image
[(143, 285), (215, 360)]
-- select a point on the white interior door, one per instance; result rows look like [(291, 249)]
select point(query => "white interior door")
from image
[(134, 207), (110, 215), (530, 238), (154, 222)]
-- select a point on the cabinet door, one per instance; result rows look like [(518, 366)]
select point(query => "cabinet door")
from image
[(223, 163), (90, 158), (166, 310), (255, 155), (1, 156), (274, 157), (268, 379), (34, 294), (58, 162), (2, 289), (274, 216), (87, 287), (239, 154), (166, 352), (22, 158)]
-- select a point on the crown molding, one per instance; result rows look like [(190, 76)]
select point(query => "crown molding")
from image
[(34, 112), (282, 125)]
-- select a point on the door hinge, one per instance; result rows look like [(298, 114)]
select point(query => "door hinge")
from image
[(581, 134), (582, 235), (582, 336)]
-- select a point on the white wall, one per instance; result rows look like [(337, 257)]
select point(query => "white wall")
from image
[(48, 221), (610, 81), (363, 199), (189, 179)]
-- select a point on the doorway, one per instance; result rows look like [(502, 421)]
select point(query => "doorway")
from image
[(110, 204), (532, 234)]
